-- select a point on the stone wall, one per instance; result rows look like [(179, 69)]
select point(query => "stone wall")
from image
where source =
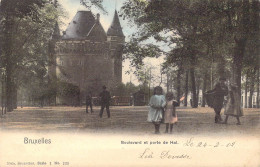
[(89, 65)]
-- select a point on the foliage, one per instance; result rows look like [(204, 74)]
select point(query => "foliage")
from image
[(25, 51), (96, 3), (124, 89), (204, 35), (67, 89)]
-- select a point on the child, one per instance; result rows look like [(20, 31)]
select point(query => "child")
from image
[(157, 103), (233, 107), (170, 115)]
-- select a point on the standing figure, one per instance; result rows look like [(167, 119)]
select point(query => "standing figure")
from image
[(233, 107), (170, 115), (157, 103), (105, 99), (89, 102), (217, 98)]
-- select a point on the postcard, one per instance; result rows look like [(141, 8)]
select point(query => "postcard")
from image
[(129, 83)]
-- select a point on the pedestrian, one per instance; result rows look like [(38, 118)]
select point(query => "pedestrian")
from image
[(157, 103), (104, 101), (89, 102), (233, 107), (216, 97), (170, 115)]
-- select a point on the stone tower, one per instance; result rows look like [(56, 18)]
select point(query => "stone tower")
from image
[(116, 38), (88, 57)]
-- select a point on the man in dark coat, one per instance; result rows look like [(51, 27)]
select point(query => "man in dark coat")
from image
[(217, 95), (104, 101), (89, 102)]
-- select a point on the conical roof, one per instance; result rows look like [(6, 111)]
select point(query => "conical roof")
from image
[(115, 29), (80, 25), (97, 32)]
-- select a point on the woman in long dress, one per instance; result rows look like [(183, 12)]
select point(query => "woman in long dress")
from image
[(233, 107), (157, 103)]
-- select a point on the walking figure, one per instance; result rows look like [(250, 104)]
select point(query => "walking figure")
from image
[(215, 98), (157, 103), (105, 100), (89, 102), (233, 107), (170, 115)]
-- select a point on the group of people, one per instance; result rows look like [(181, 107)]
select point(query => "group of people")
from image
[(215, 99), (104, 102), (163, 108)]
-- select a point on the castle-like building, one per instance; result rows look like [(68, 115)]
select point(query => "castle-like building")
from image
[(86, 56)]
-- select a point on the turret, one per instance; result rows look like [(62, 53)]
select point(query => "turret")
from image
[(116, 38), (115, 29), (97, 33)]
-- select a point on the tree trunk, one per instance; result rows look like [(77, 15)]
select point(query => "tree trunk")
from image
[(193, 88), (221, 67), (255, 21), (238, 60), (8, 64), (251, 92), (150, 81), (3, 93), (240, 42), (186, 88), (257, 95), (204, 88), (167, 84), (252, 88), (14, 96), (9, 102), (198, 90), (179, 83), (246, 84)]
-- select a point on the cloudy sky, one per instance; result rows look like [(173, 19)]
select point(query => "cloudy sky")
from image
[(72, 6)]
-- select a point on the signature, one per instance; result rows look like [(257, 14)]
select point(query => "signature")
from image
[(166, 154)]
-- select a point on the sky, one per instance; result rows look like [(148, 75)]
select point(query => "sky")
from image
[(72, 6)]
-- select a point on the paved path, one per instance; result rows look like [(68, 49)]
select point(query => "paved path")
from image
[(124, 119)]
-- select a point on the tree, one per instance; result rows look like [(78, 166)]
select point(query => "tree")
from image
[(125, 89), (12, 10), (25, 53), (240, 21), (197, 29), (97, 3), (182, 19)]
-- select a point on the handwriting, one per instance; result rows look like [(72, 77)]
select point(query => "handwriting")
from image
[(149, 154), (146, 154), (191, 143), (168, 155)]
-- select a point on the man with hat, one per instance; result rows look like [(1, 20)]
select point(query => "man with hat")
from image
[(218, 94), (105, 100)]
